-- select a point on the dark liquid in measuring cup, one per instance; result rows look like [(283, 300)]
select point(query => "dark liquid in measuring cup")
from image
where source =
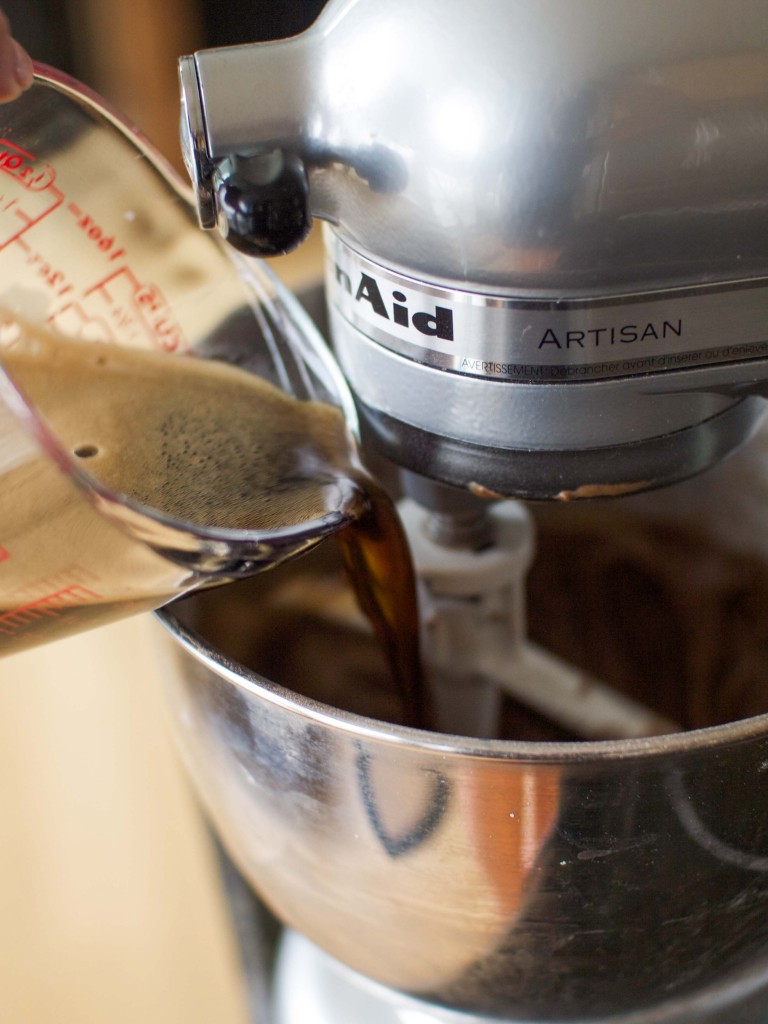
[(217, 447)]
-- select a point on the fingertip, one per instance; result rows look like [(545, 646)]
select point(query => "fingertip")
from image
[(16, 69), (24, 71)]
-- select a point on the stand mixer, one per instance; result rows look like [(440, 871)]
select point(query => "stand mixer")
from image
[(546, 279)]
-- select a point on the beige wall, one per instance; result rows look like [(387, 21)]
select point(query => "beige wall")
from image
[(128, 53)]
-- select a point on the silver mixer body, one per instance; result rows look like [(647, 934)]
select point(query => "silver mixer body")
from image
[(547, 265)]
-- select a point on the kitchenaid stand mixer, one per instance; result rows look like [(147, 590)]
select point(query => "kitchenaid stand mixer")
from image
[(547, 279)]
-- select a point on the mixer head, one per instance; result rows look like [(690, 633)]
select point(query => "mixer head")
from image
[(547, 224)]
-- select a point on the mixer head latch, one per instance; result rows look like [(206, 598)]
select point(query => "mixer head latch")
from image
[(258, 199), (261, 202)]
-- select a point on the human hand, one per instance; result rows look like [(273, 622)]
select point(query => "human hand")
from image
[(15, 64)]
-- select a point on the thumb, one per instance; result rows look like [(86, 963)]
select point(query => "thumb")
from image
[(15, 65)]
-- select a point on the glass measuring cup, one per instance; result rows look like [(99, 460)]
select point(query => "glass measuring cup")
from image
[(99, 242)]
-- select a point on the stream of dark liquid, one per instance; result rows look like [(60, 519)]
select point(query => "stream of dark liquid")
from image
[(379, 566)]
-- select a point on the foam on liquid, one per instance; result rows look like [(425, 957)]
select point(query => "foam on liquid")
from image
[(196, 439)]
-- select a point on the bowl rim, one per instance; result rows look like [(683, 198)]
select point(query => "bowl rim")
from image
[(445, 744)]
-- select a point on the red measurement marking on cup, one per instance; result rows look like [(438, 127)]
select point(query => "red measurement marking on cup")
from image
[(130, 305), (120, 307), (98, 235), (52, 606), (54, 277), (28, 193), (5, 554)]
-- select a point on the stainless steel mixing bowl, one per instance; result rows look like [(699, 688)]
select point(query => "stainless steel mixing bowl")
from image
[(526, 880)]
